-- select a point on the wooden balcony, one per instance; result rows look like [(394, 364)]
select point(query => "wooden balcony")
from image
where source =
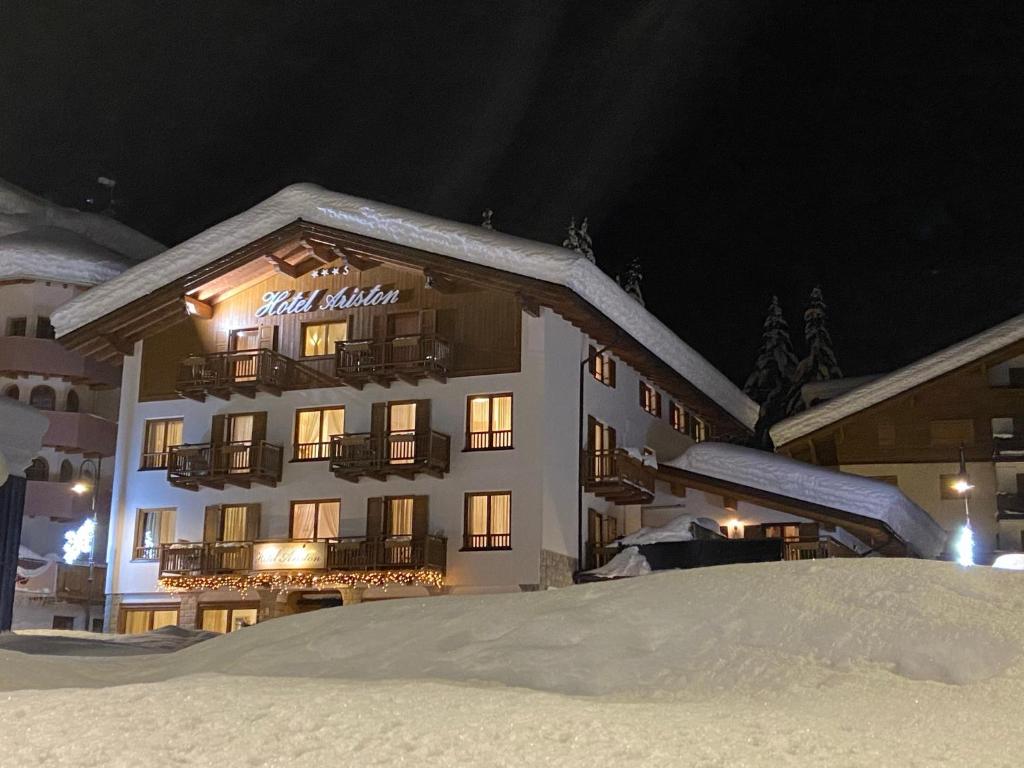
[(403, 358), (223, 374), (215, 465), (342, 554), (404, 454), (1008, 448), (617, 477)]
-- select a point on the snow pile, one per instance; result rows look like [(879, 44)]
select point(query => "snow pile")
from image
[(900, 381), (646, 458), (677, 529), (470, 243), (628, 563), (829, 662), (838, 490), (1011, 562)]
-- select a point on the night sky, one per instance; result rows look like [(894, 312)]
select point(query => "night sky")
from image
[(737, 148)]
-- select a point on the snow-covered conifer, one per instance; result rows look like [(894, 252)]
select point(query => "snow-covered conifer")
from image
[(578, 239), (486, 216), (820, 362), (632, 281)]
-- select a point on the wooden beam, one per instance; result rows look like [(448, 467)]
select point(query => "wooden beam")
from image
[(198, 308), (529, 304), (440, 283), (119, 344)]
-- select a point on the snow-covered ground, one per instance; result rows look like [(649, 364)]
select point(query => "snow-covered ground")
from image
[(840, 662)]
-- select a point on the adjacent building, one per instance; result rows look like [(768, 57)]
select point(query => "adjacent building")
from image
[(327, 400), (907, 427), (48, 256)]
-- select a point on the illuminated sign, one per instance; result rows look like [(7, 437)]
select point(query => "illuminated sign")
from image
[(297, 302), (289, 556)]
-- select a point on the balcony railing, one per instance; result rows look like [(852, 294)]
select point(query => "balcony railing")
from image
[(485, 441), (342, 554), (487, 541), (381, 361), (616, 476), (1009, 448), (405, 454), (222, 374), (215, 464), (814, 549)]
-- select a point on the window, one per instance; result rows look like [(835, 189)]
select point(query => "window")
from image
[(488, 422), (650, 399), (601, 443), (153, 527), (401, 433), (71, 403), (319, 338), (12, 392), (403, 324), (488, 521), (44, 330), (231, 522), (602, 367), (314, 428), (38, 469), (67, 471), (315, 519), (398, 521), (17, 326), (696, 427), (160, 435), (677, 416), (227, 617), (63, 622), (43, 398), (135, 621)]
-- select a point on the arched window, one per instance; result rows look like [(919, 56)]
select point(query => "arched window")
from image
[(85, 471), (39, 469), (43, 398), (13, 392), (67, 471), (72, 402)]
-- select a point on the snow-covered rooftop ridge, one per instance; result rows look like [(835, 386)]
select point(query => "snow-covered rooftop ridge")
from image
[(820, 391), (857, 495), (897, 382), (467, 242)]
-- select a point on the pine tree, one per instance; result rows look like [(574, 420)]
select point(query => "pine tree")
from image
[(820, 362), (578, 239), (632, 281), (769, 383), (486, 216)]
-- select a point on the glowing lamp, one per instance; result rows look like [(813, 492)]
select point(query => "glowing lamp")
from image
[(961, 486), (80, 488)]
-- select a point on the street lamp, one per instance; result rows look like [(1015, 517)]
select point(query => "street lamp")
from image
[(92, 487), (965, 544)]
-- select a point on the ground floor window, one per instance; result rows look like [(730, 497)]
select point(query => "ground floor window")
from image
[(225, 618), (63, 622), (135, 621)]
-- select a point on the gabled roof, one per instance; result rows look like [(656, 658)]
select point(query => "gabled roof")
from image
[(464, 242), (900, 381)]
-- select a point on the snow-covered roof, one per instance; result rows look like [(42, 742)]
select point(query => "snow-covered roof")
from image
[(854, 494), (899, 381), (470, 243), (819, 391), (43, 241)]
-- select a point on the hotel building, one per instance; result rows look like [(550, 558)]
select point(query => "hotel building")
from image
[(327, 400)]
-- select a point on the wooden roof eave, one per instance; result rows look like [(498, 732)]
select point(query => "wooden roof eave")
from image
[(858, 525), (135, 321)]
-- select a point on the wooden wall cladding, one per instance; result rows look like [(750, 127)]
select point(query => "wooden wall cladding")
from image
[(483, 325)]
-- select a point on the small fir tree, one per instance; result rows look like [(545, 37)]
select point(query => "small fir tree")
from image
[(820, 363), (486, 219), (632, 281), (578, 239), (770, 382)]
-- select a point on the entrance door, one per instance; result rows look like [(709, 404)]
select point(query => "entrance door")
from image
[(602, 449), (401, 433)]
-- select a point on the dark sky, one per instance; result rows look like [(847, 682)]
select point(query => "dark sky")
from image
[(738, 148)]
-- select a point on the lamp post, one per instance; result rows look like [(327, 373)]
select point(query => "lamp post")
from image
[(93, 488), (965, 544)]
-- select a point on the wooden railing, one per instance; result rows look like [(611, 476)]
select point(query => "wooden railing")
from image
[(487, 541), (146, 553), (216, 463), (418, 355), (814, 549), (483, 441), (222, 373), (343, 554), (615, 475), (392, 452)]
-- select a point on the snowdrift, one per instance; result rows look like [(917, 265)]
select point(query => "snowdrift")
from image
[(766, 626)]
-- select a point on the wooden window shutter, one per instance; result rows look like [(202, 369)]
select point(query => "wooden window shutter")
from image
[(252, 522), (378, 418), (211, 523), (593, 526), (267, 337), (610, 367), (428, 321), (612, 444), (218, 428), (380, 326), (643, 403), (420, 516), (259, 426), (657, 403), (374, 517), (422, 416), (592, 360), (591, 432), (222, 342)]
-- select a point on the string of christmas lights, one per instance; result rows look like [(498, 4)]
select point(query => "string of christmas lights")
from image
[(422, 577)]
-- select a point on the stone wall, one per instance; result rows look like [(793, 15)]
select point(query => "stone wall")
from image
[(556, 569)]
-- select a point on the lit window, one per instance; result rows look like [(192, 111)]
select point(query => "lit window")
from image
[(696, 427), (489, 422), (227, 618), (488, 522), (602, 367), (315, 519), (650, 399), (677, 417), (160, 435), (135, 621), (320, 338), (314, 428), (399, 519), (153, 527)]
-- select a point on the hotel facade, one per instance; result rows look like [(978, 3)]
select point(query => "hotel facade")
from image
[(327, 400)]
